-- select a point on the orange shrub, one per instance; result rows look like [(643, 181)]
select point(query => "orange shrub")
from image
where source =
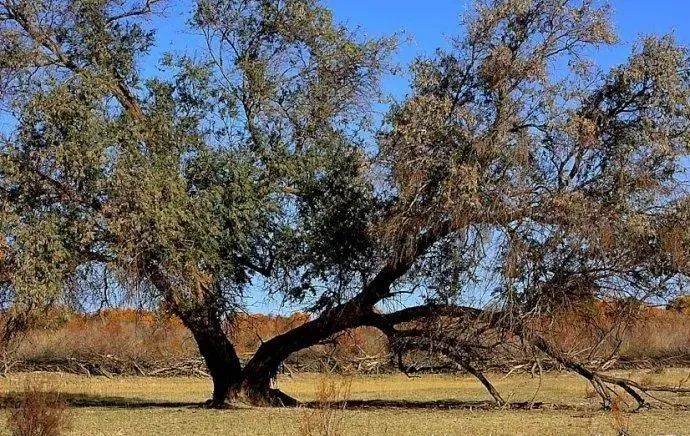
[(152, 340)]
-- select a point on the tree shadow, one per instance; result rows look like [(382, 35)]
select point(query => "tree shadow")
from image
[(448, 404), (106, 401)]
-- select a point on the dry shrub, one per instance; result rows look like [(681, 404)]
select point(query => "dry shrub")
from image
[(248, 331), (116, 338), (327, 417), (39, 413), (658, 334), (652, 333), (362, 342), (122, 334), (680, 304)]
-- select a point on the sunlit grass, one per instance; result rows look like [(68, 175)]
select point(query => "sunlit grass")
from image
[(169, 406)]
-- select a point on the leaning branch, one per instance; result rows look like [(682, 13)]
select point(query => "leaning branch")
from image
[(601, 382)]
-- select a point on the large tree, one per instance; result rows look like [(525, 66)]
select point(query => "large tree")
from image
[(180, 185), (514, 170), (513, 167)]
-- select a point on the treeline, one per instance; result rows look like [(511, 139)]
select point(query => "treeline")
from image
[(134, 342)]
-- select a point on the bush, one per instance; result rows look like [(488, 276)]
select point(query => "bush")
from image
[(327, 417), (39, 413)]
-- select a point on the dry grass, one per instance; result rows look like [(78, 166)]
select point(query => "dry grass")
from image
[(39, 413), (160, 406), (327, 416)]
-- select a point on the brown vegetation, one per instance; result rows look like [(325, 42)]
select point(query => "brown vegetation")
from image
[(326, 417), (142, 343), (39, 413)]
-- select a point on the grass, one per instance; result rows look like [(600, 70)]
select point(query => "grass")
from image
[(429, 405)]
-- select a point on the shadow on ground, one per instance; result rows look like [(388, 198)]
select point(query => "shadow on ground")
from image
[(84, 400), (444, 405)]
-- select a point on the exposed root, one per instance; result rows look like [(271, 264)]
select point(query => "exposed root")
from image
[(265, 398), (278, 398), (216, 404)]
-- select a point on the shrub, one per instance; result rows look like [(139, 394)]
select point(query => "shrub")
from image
[(39, 413), (620, 422), (327, 417)]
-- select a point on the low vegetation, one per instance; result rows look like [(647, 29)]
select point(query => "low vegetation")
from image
[(326, 416), (39, 413), (129, 342)]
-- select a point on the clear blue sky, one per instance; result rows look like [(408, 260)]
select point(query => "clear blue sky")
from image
[(430, 22)]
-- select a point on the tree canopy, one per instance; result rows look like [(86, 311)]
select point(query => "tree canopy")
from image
[(515, 169)]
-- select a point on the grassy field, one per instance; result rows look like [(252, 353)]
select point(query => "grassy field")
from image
[(428, 405)]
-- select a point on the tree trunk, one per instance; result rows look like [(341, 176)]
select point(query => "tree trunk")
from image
[(203, 318), (221, 359), (264, 365)]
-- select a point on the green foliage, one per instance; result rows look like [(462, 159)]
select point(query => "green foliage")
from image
[(261, 160), (193, 182)]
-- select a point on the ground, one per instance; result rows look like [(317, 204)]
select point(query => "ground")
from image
[(427, 405)]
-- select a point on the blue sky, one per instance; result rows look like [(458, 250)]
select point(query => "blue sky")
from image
[(429, 24)]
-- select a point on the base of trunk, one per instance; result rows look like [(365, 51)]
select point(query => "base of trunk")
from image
[(217, 404), (264, 397)]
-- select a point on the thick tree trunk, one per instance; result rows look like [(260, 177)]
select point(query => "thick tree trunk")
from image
[(221, 359), (203, 318), (264, 365)]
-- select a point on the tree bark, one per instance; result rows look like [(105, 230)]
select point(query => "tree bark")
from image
[(264, 365), (485, 381), (202, 317), (219, 354)]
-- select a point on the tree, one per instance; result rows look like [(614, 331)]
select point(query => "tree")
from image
[(513, 167), (513, 163), (102, 165), (176, 186)]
